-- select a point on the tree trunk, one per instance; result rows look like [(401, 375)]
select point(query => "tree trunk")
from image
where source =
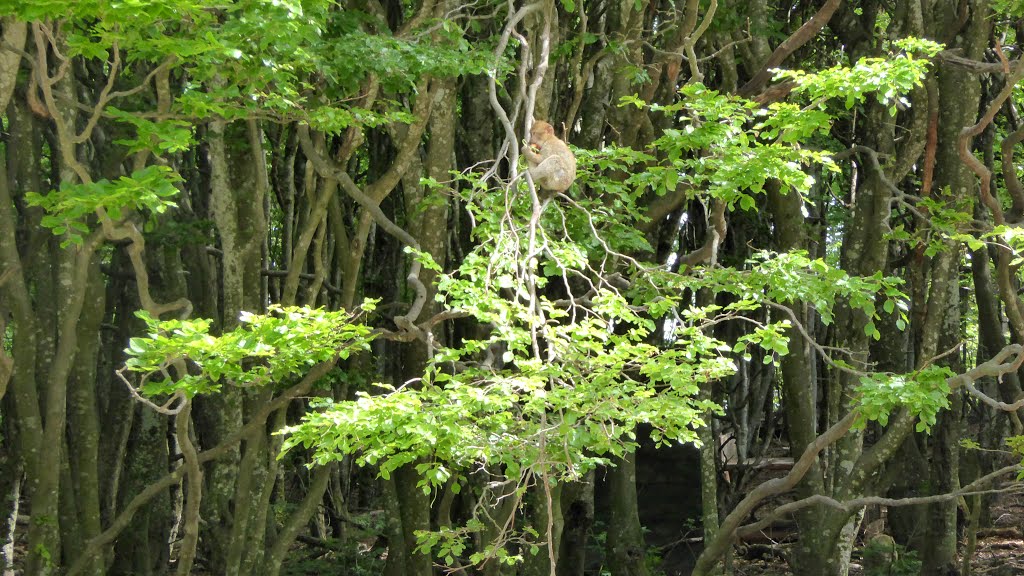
[(578, 518), (626, 553)]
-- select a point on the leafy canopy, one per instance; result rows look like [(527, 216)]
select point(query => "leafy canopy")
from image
[(265, 349)]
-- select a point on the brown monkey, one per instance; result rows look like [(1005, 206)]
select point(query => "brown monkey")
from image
[(550, 162)]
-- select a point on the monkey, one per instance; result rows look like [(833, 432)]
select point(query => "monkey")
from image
[(550, 162)]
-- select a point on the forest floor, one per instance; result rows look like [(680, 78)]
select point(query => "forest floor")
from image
[(1003, 546), (1000, 549)]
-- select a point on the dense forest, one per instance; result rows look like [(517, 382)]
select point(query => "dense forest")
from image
[(499, 287)]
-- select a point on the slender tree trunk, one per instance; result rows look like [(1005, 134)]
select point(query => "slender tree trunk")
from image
[(708, 476), (799, 391), (539, 513), (83, 417), (625, 549)]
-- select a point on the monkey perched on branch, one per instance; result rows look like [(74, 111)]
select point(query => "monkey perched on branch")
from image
[(550, 162)]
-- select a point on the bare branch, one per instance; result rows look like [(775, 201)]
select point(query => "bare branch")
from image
[(855, 504), (1005, 361), (992, 401), (814, 343), (328, 169), (1006, 290), (692, 36), (950, 57), (967, 137), (1013, 184), (716, 548), (258, 422), (90, 125), (708, 253), (167, 408), (803, 34)]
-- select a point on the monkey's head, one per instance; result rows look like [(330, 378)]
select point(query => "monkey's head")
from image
[(541, 131)]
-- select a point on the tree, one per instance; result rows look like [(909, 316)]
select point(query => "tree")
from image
[(268, 267)]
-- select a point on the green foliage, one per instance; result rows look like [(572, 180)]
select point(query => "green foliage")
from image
[(400, 62), (1008, 7), (729, 147), (886, 78), (265, 349), (787, 278), (923, 393), (1016, 445), (44, 553), (1013, 237), (581, 363), (601, 222), (161, 136), (605, 365), (69, 207), (287, 59), (584, 334), (950, 222), (588, 397), (449, 543), (446, 544)]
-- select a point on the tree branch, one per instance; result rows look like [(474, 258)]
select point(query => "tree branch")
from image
[(727, 531), (96, 545), (326, 168), (999, 364), (853, 505), (803, 34), (708, 253)]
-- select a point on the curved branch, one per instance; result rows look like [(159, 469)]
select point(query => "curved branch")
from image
[(194, 493), (326, 168), (1013, 184), (967, 137), (803, 34), (96, 545), (167, 408), (1007, 360), (708, 253), (949, 57), (692, 36), (510, 134), (998, 405), (1006, 290), (90, 125), (136, 246), (65, 131), (822, 351), (717, 548), (853, 505)]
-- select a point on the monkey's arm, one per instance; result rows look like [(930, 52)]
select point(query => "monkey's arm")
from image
[(532, 158)]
